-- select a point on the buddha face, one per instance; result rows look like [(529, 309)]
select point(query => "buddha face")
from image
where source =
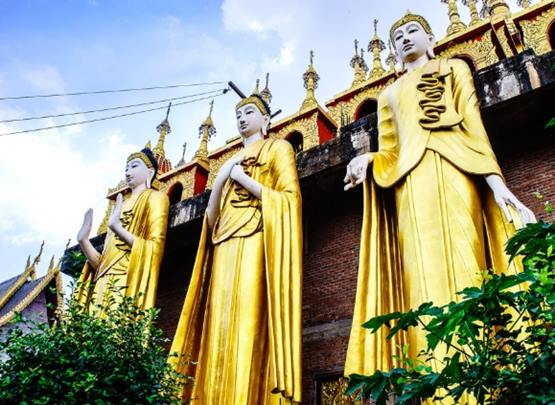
[(137, 173), (251, 121), (411, 41)]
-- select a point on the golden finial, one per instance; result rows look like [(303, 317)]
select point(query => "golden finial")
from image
[(256, 91), (148, 145), (359, 65), (523, 3), (376, 46), (163, 129), (391, 60), (206, 132), (51, 265), (28, 264), (455, 25), (182, 161), (498, 8), (310, 79), (474, 15), (265, 93), (31, 269)]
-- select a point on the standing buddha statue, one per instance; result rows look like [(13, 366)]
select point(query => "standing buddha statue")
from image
[(437, 211), (240, 326), (134, 243)]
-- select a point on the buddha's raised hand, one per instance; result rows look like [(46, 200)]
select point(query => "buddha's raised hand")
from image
[(85, 230)]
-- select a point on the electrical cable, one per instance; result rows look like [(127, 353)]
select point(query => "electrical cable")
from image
[(80, 93), (110, 108), (111, 117)]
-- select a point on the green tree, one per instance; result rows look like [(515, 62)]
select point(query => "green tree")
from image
[(501, 336), (84, 358)]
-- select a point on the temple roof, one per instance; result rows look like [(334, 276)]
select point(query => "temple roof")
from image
[(18, 292)]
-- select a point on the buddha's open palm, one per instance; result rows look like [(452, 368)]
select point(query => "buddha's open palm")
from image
[(85, 230)]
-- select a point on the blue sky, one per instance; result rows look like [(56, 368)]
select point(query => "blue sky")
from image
[(50, 178)]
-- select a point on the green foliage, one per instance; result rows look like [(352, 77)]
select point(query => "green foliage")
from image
[(87, 358), (500, 336)]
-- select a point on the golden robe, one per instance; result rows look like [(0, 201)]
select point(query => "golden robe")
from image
[(133, 269), (241, 320), (430, 224)]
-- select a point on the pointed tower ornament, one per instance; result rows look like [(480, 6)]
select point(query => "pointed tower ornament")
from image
[(376, 46), (310, 79), (163, 129), (473, 9), (391, 59), (524, 3), (206, 131), (265, 93), (455, 25), (359, 65), (182, 161), (164, 165), (498, 8)]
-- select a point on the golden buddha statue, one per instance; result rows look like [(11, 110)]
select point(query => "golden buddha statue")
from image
[(240, 326), (134, 244), (436, 208)]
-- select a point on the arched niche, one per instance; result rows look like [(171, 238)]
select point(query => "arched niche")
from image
[(295, 138), (365, 108), (175, 192), (468, 60)]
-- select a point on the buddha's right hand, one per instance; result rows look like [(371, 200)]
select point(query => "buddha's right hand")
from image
[(85, 230), (356, 170)]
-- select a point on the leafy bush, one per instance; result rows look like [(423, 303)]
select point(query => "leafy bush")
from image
[(501, 336), (111, 356)]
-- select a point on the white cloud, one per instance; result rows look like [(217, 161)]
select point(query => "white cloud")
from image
[(44, 78)]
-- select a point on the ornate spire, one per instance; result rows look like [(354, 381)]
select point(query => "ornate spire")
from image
[(256, 91), (164, 165), (391, 59), (456, 25), (310, 78), (182, 161), (265, 93), (358, 63), (207, 131), (376, 46), (163, 129), (498, 8), (474, 15), (148, 144)]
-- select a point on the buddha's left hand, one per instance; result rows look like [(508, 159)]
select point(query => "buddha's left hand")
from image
[(504, 197)]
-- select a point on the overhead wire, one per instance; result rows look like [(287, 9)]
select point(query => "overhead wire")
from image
[(224, 91), (110, 108), (80, 93)]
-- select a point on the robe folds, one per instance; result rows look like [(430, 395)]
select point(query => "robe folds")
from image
[(430, 224), (239, 334), (133, 269)]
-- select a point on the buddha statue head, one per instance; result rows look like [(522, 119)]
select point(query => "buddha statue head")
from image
[(412, 38), (141, 169), (253, 116)]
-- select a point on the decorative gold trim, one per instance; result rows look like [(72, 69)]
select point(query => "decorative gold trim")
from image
[(308, 127), (332, 393), (535, 31), (482, 51), (187, 180), (349, 106)]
